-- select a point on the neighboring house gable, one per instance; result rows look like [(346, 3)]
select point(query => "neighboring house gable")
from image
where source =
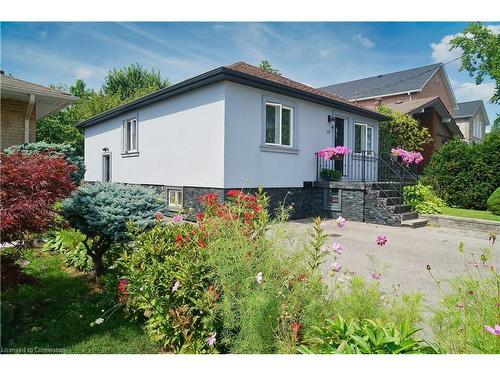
[(472, 119)]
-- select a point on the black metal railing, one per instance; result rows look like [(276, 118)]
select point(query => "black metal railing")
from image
[(366, 166)]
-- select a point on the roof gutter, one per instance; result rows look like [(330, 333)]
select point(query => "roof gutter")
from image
[(225, 74)]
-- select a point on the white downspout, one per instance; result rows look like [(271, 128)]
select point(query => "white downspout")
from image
[(27, 117)]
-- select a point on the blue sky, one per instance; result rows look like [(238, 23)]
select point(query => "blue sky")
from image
[(314, 53)]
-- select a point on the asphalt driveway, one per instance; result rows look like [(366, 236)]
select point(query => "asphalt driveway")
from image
[(403, 260)]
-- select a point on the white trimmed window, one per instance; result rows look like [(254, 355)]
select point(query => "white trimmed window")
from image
[(279, 125), (174, 198), (130, 135), (477, 128), (363, 137)]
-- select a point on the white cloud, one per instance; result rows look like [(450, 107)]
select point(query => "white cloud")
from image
[(363, 40), (470, 91), (441, 50), (84, 72), (43, 34)]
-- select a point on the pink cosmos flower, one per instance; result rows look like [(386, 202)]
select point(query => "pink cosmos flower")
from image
[(259, 278), (341, 222), (176, 286), (212, 340), (177, 218), (381, 240), (337, 248), (376, 275), (494, 331), (335, 267)]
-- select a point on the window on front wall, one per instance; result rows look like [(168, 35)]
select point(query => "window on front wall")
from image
[(363, 137), (279, 124), (174, 198), (477, 129), (130, 135)]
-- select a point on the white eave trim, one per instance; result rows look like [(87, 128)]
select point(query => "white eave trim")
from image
[(10, 89), (385, 95)]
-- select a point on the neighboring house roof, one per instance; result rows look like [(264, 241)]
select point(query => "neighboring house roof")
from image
[(416, 106), (244, 74), (402, 82), (47, 100), (468, 109)]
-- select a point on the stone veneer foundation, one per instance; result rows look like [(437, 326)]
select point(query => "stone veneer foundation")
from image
[(356, 201)]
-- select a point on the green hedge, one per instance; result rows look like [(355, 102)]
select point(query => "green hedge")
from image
[(494, 202), (466, 175)]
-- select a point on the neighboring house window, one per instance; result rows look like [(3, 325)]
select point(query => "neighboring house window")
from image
[(477, 128), (363, 138), (106, 166), (130, 135), (279, 125), (174, 198)]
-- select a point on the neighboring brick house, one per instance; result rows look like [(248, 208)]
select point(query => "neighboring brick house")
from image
[(22, 104), (472, 119), (424, 92)]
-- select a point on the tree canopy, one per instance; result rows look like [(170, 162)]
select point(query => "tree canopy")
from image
[(267, 67), (120, 86), (402, 130), (481, 54)]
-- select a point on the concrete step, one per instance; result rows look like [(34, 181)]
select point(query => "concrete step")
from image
[(414, 223), (409, 216), (388, 193), (402, 208), (394, 201)]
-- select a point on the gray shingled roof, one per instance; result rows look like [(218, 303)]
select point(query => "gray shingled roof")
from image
[(385, 84), (467, 109)]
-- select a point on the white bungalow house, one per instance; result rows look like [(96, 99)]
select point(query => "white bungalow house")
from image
[(239, 127)]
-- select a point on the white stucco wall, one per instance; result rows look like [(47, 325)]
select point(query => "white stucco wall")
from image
[(246, 165), (181, 142)]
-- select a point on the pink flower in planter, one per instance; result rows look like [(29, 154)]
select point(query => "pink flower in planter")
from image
[(376, 275), (176, 286), (408, 157), (335, 267), (381, 240), (494, 331), (329, 153), (337, 248), (212, 340), (177, 218), (341, 222)]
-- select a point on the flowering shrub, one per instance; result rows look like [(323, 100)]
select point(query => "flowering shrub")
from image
[(31, 184), (408, 157), (168, 280), (330, 153), (461, 322)]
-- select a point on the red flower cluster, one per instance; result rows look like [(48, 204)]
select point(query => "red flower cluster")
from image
[(214, 295), (181, 240), (122, 288), (296, 329)]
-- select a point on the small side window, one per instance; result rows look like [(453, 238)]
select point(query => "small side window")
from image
[(106, 166), (130, 135), (174, 198)]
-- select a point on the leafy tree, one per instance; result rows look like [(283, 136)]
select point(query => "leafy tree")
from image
[(133, 81), (120, 86), (31, 184), (267, 67), (481, 56), (403, 131), (103, 211), (466, 175), (496, 123)]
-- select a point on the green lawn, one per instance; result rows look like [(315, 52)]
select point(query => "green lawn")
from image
[(474, 214), (57, 312)]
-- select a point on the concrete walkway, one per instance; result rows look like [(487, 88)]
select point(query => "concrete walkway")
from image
[(403, 260)]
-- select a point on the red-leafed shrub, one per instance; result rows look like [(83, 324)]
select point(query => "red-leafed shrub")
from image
[(29, 186)]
